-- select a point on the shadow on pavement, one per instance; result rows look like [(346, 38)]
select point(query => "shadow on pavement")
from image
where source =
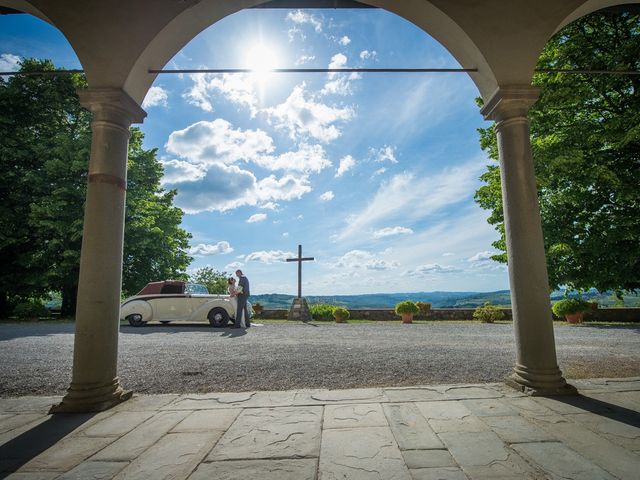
[(19, 451), (604, 409)]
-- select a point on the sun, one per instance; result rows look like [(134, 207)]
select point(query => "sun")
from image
[(262, 58)]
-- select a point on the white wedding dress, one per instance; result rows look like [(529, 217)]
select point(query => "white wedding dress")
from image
[(234, 303)]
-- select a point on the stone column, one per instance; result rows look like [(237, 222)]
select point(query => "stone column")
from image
[(536, 371), (95, 385)]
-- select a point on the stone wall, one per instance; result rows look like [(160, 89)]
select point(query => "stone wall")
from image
[(382, 314)]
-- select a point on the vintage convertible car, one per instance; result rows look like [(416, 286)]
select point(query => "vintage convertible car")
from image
[(177, 301)]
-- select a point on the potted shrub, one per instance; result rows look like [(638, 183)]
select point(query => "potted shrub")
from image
[(488, 313), (407, 310), (340, 314), (321, 311), (424, 308), (572, 309)]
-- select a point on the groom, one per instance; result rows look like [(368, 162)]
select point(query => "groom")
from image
[(242, 300)]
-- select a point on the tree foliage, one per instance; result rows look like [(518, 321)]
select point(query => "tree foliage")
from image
[(45, 141), (215, 281), (585, 133)]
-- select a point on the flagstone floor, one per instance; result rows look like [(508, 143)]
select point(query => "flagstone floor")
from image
[(482, 431)]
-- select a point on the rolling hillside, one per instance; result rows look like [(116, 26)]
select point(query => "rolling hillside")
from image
[(437, 299)]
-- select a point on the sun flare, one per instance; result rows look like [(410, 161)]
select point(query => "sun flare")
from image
[(262, 58)]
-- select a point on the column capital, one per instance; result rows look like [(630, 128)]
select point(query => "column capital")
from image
[(510, 101), (112, 105)]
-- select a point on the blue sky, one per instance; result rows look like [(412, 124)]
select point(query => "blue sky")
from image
[(374, 174)]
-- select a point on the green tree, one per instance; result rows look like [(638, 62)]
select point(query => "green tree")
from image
[(45, 140), (215, 281), (585, 134), (154, 244), (39, 119)]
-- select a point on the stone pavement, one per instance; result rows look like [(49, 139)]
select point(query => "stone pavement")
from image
[(484, 431)]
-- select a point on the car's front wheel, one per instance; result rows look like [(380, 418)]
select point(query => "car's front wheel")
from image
[(135, 320), (218, 317)]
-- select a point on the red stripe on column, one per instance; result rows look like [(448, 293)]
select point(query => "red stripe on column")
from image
[(121, 183)]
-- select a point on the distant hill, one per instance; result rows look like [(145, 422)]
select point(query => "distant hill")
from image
[(389, 300), (437, 299)]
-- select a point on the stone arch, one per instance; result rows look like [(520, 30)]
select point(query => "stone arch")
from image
[(23, 6), (190, 22), (588, 7)]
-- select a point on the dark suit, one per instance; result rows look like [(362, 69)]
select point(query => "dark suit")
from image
[(242, 302)]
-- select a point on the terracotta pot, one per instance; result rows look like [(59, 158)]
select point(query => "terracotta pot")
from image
[(407, 317), (340, 319), (574, 317)]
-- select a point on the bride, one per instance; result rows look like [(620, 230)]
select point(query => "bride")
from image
[(233, 292)]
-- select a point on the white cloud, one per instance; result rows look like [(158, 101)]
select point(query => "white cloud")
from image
[(269, 206), (379, 171), (233, 266), (257, 217), (294, 32), (222, 188), (383, 154), (482, 261), (239, 88), (156, 97), (390, 231), (301, 18), (305, 59), (344, 41), (176, 171), (431, 269), (9, 62), (346, 163), (225, 187), (406, 197), (366, 54), (218, 142), (308, 158), (481, 256), (285, 234), (339, 83), (288, 187), (304, 117), (268, 257), (361, 259), (327, 196), (448, 254), (219, 248)]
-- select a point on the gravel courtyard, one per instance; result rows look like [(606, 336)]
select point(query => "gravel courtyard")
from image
[(37, 358)]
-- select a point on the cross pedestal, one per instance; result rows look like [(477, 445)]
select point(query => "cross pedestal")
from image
[(299, 308)]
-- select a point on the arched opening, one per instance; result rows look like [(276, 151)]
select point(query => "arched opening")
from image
[(305, 146), (118, 85)]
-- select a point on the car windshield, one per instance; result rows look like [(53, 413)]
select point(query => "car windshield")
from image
[(196, 288)]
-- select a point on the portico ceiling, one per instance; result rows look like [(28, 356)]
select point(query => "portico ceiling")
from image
[(118, 43)]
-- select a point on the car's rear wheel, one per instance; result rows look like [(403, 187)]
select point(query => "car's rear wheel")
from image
[(218, 317), (135, 320)]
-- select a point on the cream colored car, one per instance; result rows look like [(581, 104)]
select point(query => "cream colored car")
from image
[(178, 301)]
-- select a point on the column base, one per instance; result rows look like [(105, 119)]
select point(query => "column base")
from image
[(540, 382), (86, 398)]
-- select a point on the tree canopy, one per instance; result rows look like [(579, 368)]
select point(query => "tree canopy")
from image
[(215, 281), (45, 140), (585, 134)]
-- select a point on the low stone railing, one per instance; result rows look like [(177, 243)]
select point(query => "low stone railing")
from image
[(386, 314)]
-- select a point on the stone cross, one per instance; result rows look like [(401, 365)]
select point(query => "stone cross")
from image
[(300, 259)]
